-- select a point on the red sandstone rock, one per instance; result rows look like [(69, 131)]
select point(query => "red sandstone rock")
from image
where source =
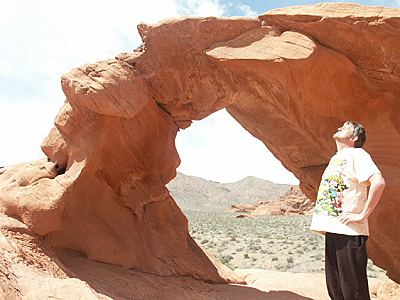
[(244, 216), (294, 202), (242, 207), (290, 77)]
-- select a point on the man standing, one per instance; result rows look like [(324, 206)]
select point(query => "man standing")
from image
[(342, 207)]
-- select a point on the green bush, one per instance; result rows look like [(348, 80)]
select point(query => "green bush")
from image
[(226, 260)]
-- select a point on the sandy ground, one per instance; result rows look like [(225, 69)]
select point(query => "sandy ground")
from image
[(309, 285), (31, 271), (114, 282), (118, 283), (274, 243)]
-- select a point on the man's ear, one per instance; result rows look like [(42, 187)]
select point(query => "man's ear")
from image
[(354, 139)]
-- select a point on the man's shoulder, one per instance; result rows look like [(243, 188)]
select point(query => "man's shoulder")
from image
[(360, 152), (350, 152)]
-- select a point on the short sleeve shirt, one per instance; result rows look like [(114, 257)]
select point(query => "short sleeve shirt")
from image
[(343, 189)]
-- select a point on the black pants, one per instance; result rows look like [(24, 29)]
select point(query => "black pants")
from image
[(346, 266)]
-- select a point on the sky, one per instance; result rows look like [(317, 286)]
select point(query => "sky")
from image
[(42, 39)]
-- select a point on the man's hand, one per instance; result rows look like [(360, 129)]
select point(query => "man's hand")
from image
[(346, 218), (377, 184)]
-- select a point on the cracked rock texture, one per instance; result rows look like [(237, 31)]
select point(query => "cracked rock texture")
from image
[(289, 77)]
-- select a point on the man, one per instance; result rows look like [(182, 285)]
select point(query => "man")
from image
[(341, 211)]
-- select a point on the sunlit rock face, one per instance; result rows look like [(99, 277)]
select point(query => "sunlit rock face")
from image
[(290, 77)]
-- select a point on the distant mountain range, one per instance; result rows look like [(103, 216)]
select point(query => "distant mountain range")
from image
[(196, 193)]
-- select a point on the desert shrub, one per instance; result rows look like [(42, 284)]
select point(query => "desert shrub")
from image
[(274, 258), (290, 260), (282, 267), (255, 247), (370, 266), (318, 256), (226, 260)]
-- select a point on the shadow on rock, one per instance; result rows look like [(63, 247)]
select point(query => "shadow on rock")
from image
[(120, 283)]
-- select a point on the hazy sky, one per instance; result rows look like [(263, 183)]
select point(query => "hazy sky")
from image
[(42, 39)]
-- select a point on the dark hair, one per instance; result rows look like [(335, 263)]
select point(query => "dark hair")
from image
[(359, 132)]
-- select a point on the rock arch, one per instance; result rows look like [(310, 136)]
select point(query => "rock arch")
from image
[(289, 77)]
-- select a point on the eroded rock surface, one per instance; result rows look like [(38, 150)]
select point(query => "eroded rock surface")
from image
[(289, 77)]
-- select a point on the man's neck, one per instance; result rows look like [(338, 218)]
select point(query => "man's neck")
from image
[(341, 146)]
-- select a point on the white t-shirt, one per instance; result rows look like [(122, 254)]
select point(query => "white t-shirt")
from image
[(343, 188)]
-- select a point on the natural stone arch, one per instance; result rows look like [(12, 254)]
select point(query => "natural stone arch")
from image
[(283, 76)]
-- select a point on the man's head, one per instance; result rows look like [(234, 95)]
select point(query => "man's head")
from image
[(351, 133)]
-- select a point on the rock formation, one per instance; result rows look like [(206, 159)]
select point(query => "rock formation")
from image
[(243, 207), (289, 77), (294, 202)]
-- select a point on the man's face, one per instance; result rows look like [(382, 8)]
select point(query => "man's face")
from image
[(346, 132)]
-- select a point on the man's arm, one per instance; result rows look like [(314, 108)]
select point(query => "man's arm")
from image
[(377, 184)]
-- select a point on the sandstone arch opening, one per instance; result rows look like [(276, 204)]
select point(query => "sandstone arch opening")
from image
[(283, 76), (218, 148), (244, 221)]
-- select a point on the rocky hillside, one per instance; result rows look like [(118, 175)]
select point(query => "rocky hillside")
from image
[(196, 193)]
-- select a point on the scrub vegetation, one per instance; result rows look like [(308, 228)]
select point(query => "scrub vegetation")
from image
[(279, 243)]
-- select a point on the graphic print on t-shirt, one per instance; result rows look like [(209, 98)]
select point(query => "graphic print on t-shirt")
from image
[(330, 193)]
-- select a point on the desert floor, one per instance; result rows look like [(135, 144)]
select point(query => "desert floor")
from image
[(274, 243)]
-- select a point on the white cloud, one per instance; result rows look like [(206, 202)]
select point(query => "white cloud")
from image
[(385, 3), (42, 39), (52, 36), (247, 11), (23, 128), (218, 148), (202, 8)]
